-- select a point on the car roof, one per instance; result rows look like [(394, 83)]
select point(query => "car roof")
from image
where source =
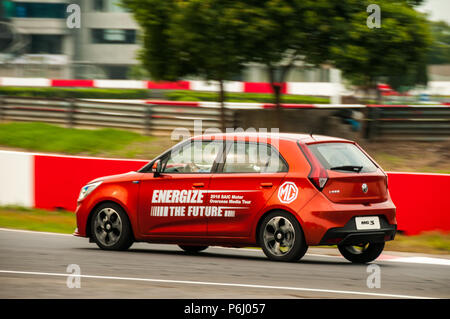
[(300, 137)]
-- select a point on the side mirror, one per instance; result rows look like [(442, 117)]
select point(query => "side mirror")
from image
[(156, 168)]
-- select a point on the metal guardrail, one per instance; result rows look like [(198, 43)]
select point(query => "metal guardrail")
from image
[(158, 120), (426, 123), (430, 122)]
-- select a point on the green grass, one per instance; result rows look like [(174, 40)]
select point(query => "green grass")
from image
[(432, 242), (182, 95), (86, 93), (393, 159), (37, 219), (427, 242), (115, 143), (174, 95), (443, 171), (51, 138)]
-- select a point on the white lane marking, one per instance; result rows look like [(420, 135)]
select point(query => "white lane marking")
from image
[(410, 260), (257, 250), (207, 283), (422, 260), (35, 232)]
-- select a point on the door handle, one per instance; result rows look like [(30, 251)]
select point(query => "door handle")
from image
[(266, 184), (198, 185)]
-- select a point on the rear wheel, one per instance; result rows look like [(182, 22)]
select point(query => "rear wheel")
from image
[(192, 249), (110, 227), (361, 254), (281, 237)]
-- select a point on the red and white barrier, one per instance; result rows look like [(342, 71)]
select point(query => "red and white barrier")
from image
[(54, 181), (301, 88), (242, 105)]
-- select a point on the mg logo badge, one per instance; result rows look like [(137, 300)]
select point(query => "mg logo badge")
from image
[(364, 188), (287, 192)]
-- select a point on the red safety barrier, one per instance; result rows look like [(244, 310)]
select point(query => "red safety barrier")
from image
[(179, 85), (174, 103), (421, 199), (58, 179), (72, 83), (262, 87), (290, 106)]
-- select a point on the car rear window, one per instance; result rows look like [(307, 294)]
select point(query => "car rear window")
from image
[(335, 155)]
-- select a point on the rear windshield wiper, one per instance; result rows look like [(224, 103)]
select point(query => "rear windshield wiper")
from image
[(347, 168)]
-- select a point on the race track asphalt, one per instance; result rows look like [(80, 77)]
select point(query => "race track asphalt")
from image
[(34, 265)]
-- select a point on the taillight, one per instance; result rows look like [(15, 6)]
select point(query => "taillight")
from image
[(318, 174)]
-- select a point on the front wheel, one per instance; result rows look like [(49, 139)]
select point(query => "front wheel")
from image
[(110, 227), (361, 254), (281, 237)]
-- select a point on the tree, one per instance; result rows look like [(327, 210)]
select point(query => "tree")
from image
[(214, 39), (194, 37), (336, 33), (211, 35), (287, 32), (439, 52), (395, 52), (157, 55)]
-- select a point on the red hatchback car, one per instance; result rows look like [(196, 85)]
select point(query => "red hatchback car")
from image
[(282, 192)]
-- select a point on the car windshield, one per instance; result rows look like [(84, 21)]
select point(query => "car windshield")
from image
[(342, 157)]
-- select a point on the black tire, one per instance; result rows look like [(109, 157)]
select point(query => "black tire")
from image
[(193, 249), (111, 237), (291, 243), (361, 254)]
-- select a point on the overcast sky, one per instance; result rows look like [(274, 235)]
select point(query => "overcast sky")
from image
[(438, 9)]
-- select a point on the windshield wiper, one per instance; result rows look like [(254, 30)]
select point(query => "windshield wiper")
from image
[(347, 168)]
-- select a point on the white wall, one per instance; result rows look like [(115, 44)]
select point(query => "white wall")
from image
[(434, 88), (16, 179)]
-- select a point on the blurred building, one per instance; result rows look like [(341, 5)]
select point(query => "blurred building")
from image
[(104, 47), (107, 40), (43, 45), (439, 72)]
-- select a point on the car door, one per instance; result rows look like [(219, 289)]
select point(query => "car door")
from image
[(172, 204), (241, 187)]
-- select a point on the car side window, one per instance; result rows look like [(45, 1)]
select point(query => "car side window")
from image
[(195, 157), (250, 157)]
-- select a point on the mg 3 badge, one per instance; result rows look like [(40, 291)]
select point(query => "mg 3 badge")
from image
[(364, 188)]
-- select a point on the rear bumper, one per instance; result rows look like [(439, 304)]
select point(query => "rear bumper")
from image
[(320, 216), (349, 235)]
